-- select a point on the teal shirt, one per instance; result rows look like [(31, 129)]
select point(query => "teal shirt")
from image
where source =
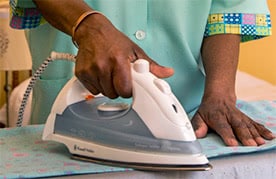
[(169, 31)]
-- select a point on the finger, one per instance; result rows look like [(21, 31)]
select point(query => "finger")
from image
[(90, 87), (244, 131), (107, 86), (89, 80), (86, 76), (161, 71), (256, 131), (256, 136), (252, 133), (220, 125), (199, 126), (226, 134), (122, 80), (244, 135), (155, 68), (264, 132)]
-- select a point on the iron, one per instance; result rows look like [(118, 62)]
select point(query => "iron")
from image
[(151, 133)]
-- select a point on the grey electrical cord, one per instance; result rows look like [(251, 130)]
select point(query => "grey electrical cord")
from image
[(54, 56)]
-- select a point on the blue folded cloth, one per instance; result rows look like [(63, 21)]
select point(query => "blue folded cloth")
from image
[(263, 112)]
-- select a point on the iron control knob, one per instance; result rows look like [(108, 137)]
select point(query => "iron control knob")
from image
[(163, 86), (141, 66)]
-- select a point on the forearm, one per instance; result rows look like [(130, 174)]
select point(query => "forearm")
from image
[(220, 55), (62, 14)]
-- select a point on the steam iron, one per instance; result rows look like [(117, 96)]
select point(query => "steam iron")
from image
[(153, 133)]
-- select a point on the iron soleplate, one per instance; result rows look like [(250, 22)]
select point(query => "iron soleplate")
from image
[(146, 167)]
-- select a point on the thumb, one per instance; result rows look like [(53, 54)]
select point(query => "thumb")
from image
[(160, 71), (199, 126)]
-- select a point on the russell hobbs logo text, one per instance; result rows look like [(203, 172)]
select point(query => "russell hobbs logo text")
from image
[(83, 149)]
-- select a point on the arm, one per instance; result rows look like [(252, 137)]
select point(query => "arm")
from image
[(105, 54), (60, 17), (220, 58), (218, 110)]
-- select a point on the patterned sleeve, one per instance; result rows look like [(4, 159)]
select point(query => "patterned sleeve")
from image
[(249, 18), (24, 15)]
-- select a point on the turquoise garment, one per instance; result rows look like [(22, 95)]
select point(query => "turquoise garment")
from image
[(169, 31)]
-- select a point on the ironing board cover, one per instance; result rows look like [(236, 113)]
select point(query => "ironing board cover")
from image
[(24, 155)]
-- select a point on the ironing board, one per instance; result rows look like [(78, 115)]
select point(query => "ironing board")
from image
[(260, 165), (24, 155), (235, 162)]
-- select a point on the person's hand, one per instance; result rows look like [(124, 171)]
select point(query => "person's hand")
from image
[(104, 57), (222, 116)]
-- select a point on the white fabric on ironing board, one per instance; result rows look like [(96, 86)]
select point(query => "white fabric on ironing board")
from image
[(250, 88)]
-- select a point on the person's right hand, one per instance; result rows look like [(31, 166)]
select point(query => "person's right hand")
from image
[(104, 57)]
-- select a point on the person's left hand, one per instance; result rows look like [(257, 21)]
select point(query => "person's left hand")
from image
[(222, 116)]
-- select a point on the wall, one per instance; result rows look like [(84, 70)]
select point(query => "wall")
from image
[(2, 82), (22, 76), (259, 57), (17, 46)]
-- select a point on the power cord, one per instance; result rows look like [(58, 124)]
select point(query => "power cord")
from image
[(54, 56)]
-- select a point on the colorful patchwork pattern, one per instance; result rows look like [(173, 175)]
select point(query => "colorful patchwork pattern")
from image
[(25, 18), (250, 26)]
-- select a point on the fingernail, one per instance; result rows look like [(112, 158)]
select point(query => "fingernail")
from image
[(232, 142), (250, 142), (260, 141)]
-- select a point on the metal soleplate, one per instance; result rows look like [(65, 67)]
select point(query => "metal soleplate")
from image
[(148, 167)]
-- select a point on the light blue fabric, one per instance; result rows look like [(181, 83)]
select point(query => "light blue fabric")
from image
[(24, 155), (174, 33)]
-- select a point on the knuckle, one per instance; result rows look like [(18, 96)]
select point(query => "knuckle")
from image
[(125, 92), (80, 74)]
